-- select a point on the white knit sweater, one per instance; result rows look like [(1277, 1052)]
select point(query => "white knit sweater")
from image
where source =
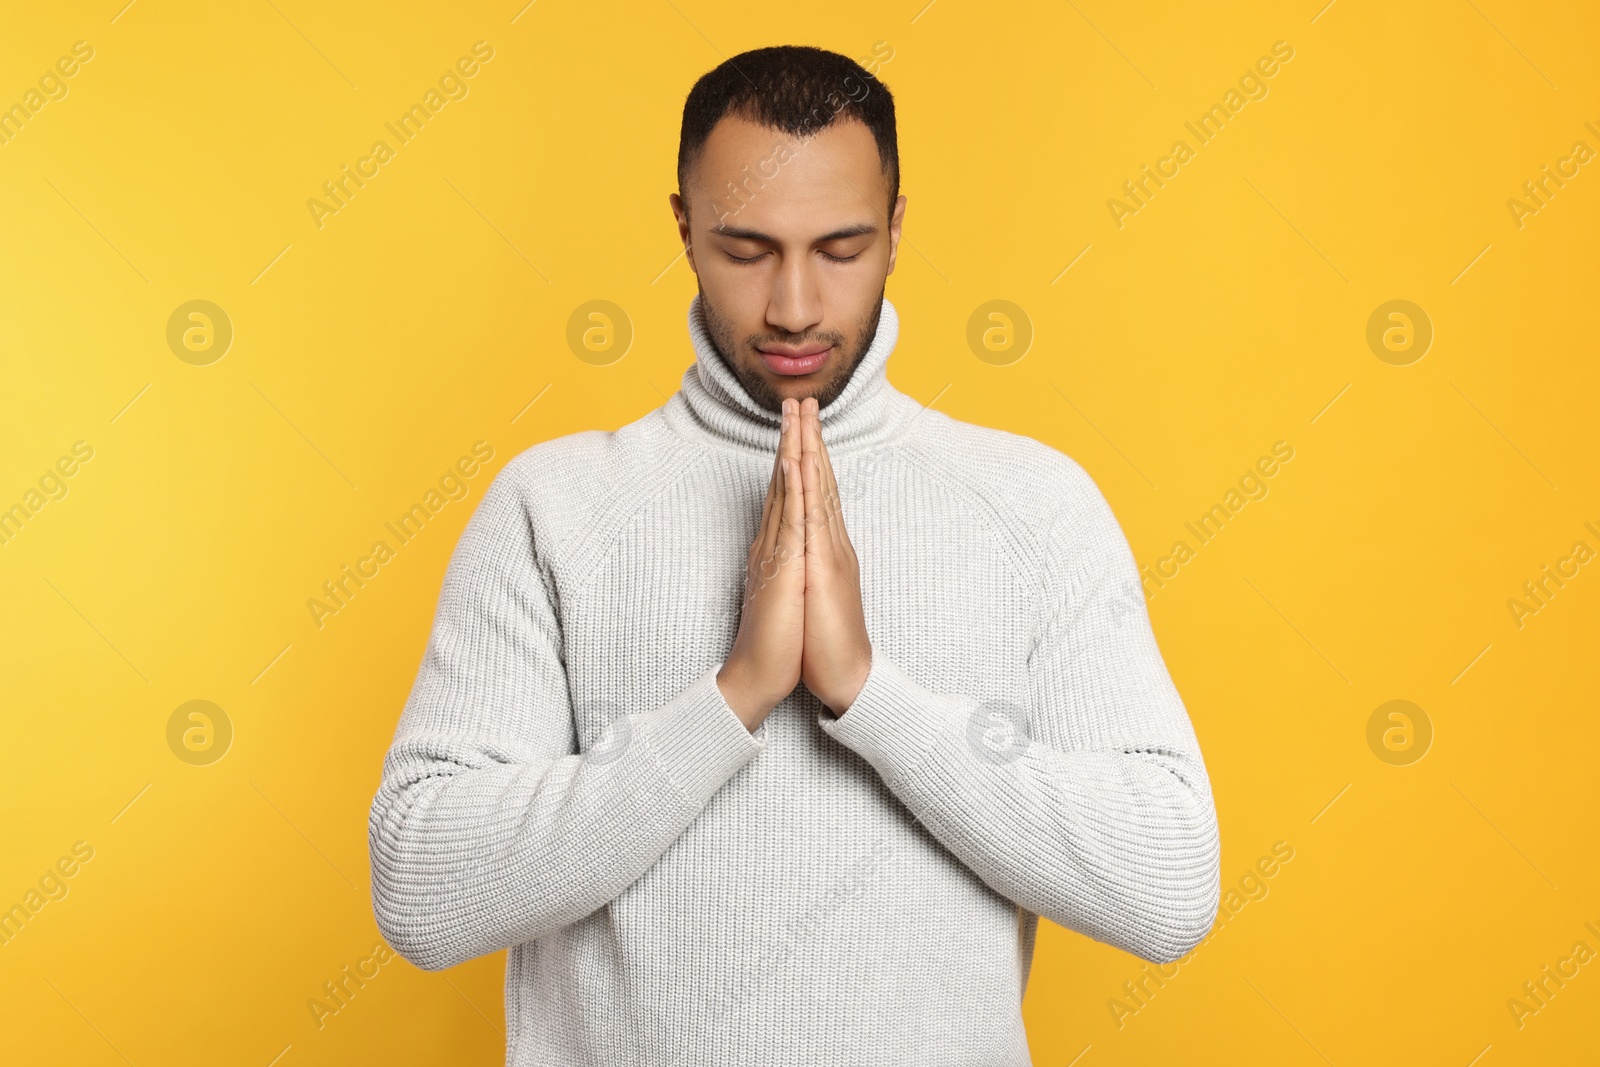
[(568, 782)]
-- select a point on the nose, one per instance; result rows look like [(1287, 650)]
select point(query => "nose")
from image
[(795, 304)]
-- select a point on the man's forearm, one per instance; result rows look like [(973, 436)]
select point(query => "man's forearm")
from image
[(471, 854)]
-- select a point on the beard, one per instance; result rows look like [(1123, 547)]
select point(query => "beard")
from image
[(724, 341)]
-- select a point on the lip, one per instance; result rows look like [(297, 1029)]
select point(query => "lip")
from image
[(796, 350), (791, 360)]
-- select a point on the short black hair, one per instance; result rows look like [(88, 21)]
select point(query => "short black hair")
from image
[(794, 88)]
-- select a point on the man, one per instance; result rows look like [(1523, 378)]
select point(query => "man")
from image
[(744, 770)]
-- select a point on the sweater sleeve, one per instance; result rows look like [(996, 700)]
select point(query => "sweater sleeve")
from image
[(490, 827), (1090, 806)]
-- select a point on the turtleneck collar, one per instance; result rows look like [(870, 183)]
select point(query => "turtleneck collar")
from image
[(712, 403)]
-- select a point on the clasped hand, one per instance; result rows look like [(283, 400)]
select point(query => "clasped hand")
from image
[(802, 618)]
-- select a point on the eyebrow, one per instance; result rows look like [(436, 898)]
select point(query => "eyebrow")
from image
[(746, 234)]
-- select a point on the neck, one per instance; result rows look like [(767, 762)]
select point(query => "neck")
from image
[(714, 404)]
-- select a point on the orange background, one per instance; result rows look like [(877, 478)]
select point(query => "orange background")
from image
[(1168, 354)]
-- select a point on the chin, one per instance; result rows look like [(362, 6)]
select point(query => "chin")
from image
[(824, 383)]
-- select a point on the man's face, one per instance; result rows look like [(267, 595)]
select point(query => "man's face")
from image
[(791, 267)]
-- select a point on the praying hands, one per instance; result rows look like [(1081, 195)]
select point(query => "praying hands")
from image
[(802, 618)]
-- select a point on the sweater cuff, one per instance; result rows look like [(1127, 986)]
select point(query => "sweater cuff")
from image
[(698, 741), (894, 722)]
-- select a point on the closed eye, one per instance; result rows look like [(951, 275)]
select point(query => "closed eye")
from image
[(828, 256)]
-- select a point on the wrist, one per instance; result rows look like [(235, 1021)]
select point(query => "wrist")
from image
[(740, 696), (847, 695)]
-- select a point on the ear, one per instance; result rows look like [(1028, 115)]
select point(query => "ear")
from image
[(680, 212), (894, 230)]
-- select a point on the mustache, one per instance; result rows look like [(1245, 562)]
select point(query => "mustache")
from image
[(836, 340)]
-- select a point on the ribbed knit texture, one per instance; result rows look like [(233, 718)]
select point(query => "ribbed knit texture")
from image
[(568, 782)]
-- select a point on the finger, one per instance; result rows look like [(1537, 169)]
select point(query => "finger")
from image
[(840, 529), (820, 541), (786, 430), (791, 531), (829, 493), (772, 493), (789, 443), (829, 480), (810, 442), (788, 435), (819, 518)]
